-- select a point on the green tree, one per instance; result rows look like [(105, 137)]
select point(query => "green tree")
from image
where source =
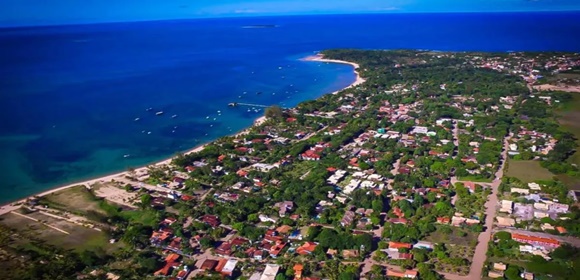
[(274, 112)]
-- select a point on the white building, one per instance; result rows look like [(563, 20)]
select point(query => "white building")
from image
[(270, 272)]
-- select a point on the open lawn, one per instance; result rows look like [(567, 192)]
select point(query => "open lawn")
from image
[(56, 232), (527, 170), (474, 179), (569, 118), (76, 200), (454, 237)]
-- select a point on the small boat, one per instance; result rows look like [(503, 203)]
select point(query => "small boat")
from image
[(126, 156), (136, 119), (219, 111), (148, 109), (149, 132), (259, 92), (214, 119), (249, 110), (279, 67), (159, 113), (233, 104), (174, 116), (207, 117)]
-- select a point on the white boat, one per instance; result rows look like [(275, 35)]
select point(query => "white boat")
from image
[(126, 156), (149, 132), (136, 119), (174, 116), (159, 113)]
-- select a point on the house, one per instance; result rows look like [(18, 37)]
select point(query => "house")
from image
[(561, 230), (310, 155), (270, 272), (527, 275), (170, 262), (224, 249), (298, 268), (211, 220), (399, 221), (347, 218), (263, 218), (534, 186), (520, 190), (443, 220), (284, 229), (175, 244), (505, 221), (306, 248), (331, 252), (409, 273), (536, 241), (258, 255), (423, 245), (457, 221), (499, 266), (349, 254), (506, 206), (470, 186), (209, 264), (284, 207), (399, 245), (276, 249), (495, 274), (229, 267), (396, 255)]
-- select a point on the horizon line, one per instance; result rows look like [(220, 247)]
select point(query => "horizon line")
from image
[(249, 16)]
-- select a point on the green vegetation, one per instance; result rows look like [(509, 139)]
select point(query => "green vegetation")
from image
[(527, 170)]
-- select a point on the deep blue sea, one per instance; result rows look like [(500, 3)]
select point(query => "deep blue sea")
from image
[(69, 95)]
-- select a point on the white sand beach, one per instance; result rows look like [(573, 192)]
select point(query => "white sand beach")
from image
[(320, 58)]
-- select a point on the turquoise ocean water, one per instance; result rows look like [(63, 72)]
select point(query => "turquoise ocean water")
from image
[(69, 95)]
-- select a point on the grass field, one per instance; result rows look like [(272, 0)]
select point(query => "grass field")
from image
[(79, 238), (527, 170), (76, 200), (438, 236), (474, 179), (569, 118)]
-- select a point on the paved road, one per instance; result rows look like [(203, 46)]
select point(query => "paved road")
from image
[(480, 254)]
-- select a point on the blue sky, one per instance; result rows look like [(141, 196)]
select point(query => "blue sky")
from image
[(33, 12)]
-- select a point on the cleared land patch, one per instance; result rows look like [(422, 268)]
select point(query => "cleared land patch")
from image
[(45, 229), (77, 200), (527, 170)]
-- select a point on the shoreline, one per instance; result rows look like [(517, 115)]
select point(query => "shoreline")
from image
[(16, 204), (320, 58), (9, 206)]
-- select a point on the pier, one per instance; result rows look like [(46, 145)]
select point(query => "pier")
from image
[(234, 104)]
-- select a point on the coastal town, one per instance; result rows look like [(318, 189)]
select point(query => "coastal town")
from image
[(432, 165)]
